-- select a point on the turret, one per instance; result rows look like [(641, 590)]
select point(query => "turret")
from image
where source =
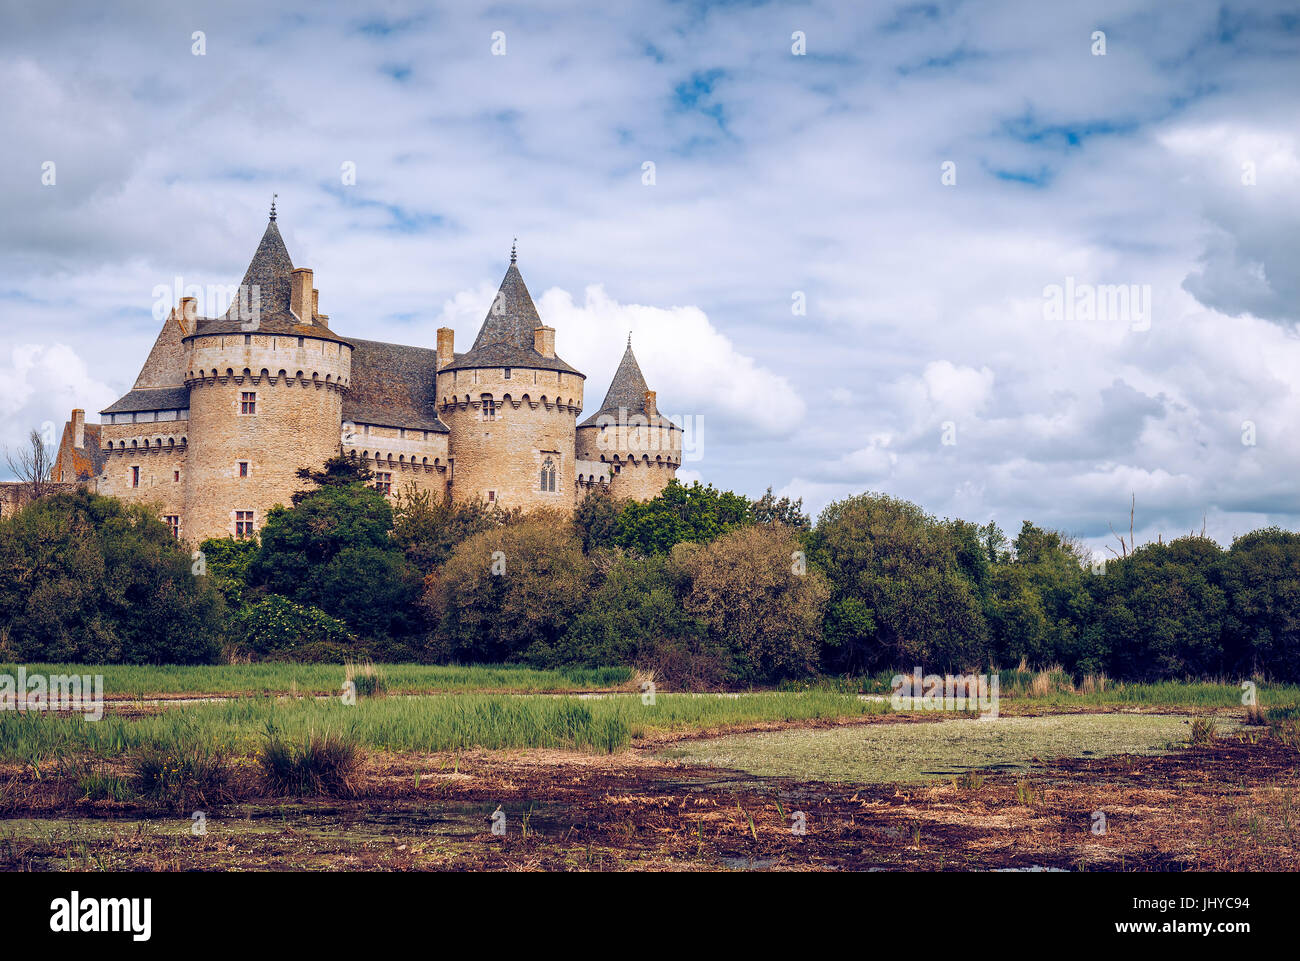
[(641, 448), (511, 405), (265, 396)]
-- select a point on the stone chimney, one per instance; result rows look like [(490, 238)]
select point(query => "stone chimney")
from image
[(446, 346), (189, 313), (544, 341), (301, 301), (650, 408), (79, 428)]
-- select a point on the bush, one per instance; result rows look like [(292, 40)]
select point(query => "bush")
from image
[(334, 550), (324, 764), (752, 588), (90, 579), (277, 629), (183, 778), (507, 588)]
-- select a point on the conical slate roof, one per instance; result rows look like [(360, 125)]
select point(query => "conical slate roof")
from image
[(270, 272), (506, 337), (512, 317), (626, 392)]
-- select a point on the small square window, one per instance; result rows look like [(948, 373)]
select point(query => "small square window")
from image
[(492, 497), (507, 373), (384, 482), (248, 402), (243, 523)]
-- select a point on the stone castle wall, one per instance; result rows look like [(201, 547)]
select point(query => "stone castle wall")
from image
[(501, 459), (297, 385)]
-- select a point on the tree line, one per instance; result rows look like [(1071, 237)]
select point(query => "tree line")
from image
[(706, 587)]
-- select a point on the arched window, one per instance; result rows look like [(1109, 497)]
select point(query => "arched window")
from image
[(548, 476)]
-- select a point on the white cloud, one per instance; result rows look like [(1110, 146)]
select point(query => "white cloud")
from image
[(40, 386)]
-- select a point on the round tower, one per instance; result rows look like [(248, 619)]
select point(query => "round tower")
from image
[(266, 384), (641, 447), (511, 406)]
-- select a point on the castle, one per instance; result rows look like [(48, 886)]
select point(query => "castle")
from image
[(226, 409)]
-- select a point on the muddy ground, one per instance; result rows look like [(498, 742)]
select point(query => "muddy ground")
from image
[(1230, 805)]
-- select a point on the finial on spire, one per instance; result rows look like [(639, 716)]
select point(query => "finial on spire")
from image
[(273, 196), (629, 340), (513, 244)]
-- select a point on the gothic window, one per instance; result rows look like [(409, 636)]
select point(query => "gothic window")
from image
[(243, 523), (548, 475)]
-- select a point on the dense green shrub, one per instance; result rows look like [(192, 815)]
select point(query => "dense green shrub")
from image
[(90, 579), (278, 629)]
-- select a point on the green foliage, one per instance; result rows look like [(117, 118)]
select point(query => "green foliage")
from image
[(277, 629), (227, 560), (627, 617), (768, 510), (506, 588), (341, 470), (334, 550), (428, 528), (694, 514), (899, 592), (1261, 576), (1158, 613), (183, 776), (758, 602), (92, 579), (320, 764), (596, 519)]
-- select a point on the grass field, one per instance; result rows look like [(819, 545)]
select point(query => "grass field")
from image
[(412, 723), (879, 753), (608, 782), (147, 681)]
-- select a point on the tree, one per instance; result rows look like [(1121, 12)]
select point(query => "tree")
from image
[(636, 607), (1159, 612), (334, 550), (758, 601), (91, 579), (1039, 602), (341, 470), (428, 528), (33, 465), (768, 510), (899, 596), (596, 518), (696, 514), (1261, 578), (507, 588)]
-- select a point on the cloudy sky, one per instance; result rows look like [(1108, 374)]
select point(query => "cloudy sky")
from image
[(866, 266)]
